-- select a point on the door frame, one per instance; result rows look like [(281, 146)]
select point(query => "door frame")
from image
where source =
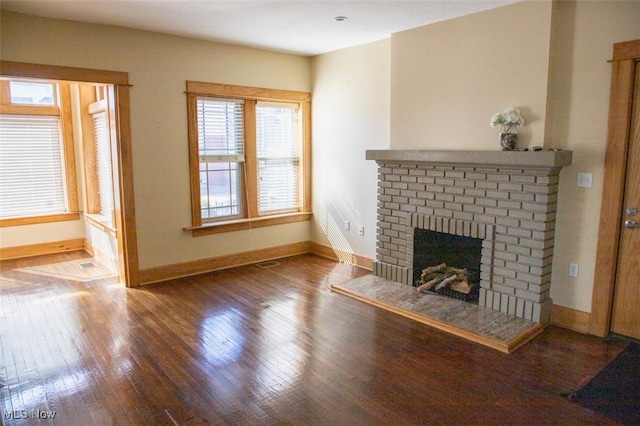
[(128, 247), (625, 56)]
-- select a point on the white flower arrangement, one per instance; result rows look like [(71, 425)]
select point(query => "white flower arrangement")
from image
[(509, 118)]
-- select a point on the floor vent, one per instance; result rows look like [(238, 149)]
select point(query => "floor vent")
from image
[(268, 264), (88, 265)]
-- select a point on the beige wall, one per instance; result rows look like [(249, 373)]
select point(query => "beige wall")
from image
[(550, 59), (584, 34), (41, 233), (350, 115), (158, 66), (449, 78)]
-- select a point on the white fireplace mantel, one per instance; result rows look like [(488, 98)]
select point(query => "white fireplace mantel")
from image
[(524, 159)]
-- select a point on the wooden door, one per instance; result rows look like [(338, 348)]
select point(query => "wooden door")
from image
[(625, 315)]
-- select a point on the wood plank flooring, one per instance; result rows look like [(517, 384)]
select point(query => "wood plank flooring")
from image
[(263, 346)]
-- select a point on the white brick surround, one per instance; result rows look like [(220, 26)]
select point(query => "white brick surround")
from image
[(508, 199)]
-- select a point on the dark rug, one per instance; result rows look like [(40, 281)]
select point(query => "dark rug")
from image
[(615, 391)]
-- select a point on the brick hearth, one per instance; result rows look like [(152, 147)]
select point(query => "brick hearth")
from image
[(508, 199)]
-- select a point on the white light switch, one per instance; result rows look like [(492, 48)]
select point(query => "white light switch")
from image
[(585, 180), (573, 270)]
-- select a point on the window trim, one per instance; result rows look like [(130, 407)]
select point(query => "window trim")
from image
[(63, 109), (94, 99), (251, 95), (235, 161), (264, 162)]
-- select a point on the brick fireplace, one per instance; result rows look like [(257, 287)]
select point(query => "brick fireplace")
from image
[(506, 199)]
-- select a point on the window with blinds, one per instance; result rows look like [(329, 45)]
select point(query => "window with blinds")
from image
[(249, 149), (220, 125), (103, 165), (32, 176), (278, 135)]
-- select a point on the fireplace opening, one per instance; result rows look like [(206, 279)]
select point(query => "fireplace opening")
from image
[(447, 255)]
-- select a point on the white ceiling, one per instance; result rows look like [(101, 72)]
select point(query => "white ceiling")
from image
[(305, 27)]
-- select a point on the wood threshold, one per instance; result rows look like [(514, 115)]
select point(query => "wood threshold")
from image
[(493, 329)]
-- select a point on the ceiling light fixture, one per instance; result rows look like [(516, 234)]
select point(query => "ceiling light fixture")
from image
[(340, 18)]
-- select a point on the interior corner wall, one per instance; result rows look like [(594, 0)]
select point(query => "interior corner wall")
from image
[(449, 78), (158, 66), (350, 116), (585, 32)]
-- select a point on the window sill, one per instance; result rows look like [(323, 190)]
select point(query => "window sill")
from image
[(33, 220), (101, 222), (242, 224)]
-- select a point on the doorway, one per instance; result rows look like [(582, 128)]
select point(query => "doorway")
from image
[(616, 294), (117, 88)]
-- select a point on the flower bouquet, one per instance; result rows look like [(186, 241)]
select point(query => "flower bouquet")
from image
[(509, 120)]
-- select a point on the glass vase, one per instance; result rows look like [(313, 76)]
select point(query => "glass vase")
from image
[(508, 140)]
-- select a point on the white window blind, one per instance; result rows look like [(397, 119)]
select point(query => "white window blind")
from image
[(31, 166), (221, 152), (277, 136), (103, 164)]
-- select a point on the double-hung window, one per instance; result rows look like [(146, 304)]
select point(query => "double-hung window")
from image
[(249, 157), (221, 156), (37, 169), (278, 133)]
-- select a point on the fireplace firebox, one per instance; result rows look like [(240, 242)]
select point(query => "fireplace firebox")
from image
[(431, 248)]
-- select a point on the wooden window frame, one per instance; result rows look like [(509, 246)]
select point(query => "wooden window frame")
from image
[(93, 99), (63, 110), (250, 95), (92, 201)]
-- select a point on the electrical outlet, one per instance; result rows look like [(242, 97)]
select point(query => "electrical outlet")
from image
[(573, 270), (585, 180), (347, 225), (360, 229)]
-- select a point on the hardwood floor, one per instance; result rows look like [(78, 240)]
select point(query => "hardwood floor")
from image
[(262, 346)]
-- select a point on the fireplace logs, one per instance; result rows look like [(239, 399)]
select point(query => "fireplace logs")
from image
[(439, 278)]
